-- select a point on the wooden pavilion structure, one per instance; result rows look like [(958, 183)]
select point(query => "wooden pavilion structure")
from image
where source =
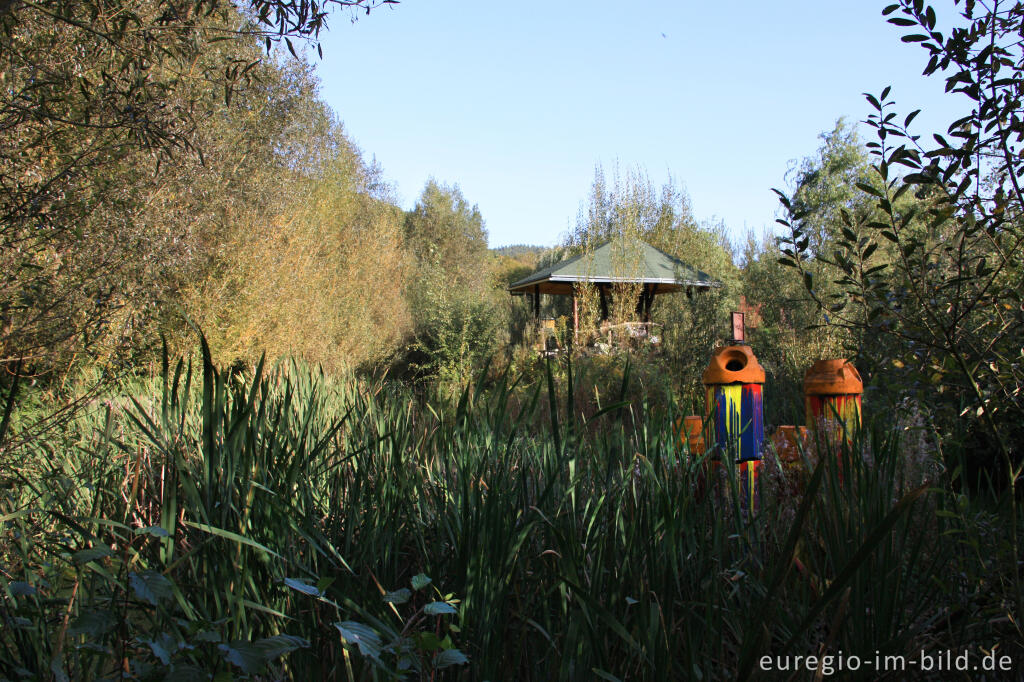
[(656, 271)]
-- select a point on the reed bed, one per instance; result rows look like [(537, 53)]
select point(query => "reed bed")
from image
[(287, 524)]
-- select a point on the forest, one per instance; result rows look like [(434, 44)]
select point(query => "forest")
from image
[(258, 421)]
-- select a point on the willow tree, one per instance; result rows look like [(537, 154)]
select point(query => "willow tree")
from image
[(100, 99)]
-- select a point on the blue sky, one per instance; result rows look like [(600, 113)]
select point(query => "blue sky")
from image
[(517, 103)]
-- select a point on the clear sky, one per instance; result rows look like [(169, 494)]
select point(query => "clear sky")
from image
[(518, 102)]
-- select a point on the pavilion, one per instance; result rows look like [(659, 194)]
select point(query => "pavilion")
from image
[(656, 272)]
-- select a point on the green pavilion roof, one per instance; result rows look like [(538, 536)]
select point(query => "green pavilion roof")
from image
[(650, 266)]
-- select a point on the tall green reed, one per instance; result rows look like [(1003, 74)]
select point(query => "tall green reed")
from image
[(282, 523)]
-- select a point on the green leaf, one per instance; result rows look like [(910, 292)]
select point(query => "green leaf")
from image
[(869, 189), (84, 556), (419, 581), (151, 586), (245, 655), (324, 583), (398, 596), (93, 624), (752, 644), (21, 589), (427, 641), (279, 645), (303, 587), (362, 636), (450, 657), (439, 608), (162, 646)]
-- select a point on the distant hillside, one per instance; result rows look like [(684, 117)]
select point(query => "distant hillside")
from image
[(513, 262), (523, 252)]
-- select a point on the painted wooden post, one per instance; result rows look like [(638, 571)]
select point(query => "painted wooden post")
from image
[(832, 402), (733, 381)]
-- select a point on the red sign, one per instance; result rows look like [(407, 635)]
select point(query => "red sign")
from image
[(737, 326)]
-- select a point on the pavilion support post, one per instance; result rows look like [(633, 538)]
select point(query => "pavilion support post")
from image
[(575, 318), (536, 301), (604, 302), (649, 301), (643, 306)]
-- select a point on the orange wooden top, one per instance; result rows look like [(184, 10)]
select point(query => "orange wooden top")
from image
[(733, 365), (833, 377)]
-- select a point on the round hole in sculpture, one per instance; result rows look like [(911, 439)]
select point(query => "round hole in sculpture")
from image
[(735, 361)]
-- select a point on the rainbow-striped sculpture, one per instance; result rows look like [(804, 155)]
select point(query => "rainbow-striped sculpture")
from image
[(832, 402), (733, 381)]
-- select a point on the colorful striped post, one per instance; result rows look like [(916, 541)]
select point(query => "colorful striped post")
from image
[(733, 381), (832, 402)]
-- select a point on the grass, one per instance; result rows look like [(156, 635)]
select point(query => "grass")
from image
[(286, 524)]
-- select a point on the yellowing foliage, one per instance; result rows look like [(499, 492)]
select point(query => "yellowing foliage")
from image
[(322, 281)]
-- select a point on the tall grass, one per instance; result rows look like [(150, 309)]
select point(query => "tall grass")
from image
[(289, 524)]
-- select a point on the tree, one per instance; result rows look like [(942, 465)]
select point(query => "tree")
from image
[(949, 300), (826, 185), (318, 272), (452, 293), (98, 99), (793, 331), (949, 297), (444, 231)]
